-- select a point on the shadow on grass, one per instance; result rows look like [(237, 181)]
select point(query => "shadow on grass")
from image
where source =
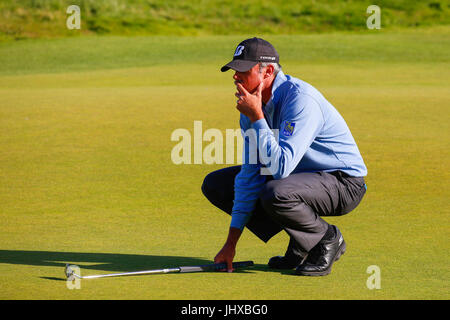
[(114, 262), (265, 268)]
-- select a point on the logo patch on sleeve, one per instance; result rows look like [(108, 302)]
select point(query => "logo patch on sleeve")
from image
[(288, 128)]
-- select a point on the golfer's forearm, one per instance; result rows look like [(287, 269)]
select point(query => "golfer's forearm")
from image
[(233, 236)]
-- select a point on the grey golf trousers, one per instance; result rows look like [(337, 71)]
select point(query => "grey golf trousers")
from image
[(294, 204)]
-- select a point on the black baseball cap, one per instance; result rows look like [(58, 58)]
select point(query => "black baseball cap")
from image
[(249, 52)]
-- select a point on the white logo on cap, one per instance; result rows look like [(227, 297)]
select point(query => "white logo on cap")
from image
[(238, 51)]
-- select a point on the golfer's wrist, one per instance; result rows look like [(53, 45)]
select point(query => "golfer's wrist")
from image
[(257, 117), (233, 237)]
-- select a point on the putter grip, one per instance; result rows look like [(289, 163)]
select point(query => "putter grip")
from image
[(216, 266)]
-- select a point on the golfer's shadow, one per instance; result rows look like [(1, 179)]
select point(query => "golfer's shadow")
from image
[(113, 262)]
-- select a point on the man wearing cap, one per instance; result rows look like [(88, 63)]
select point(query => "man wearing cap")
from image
[(300, 162)]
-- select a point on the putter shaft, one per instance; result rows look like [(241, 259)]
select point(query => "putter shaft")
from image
[(134, 273), (210, 267)]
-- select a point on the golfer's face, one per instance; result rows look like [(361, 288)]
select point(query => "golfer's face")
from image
[(250, 79)]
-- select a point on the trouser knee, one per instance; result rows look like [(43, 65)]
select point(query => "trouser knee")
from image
[(208, 186), (218, 187)]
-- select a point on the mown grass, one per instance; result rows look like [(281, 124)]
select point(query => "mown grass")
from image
[(86, 174), (47, 18)]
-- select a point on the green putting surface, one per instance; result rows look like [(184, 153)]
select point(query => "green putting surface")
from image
[(87, 176)]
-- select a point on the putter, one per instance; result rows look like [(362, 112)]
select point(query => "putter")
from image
[(71, 275)]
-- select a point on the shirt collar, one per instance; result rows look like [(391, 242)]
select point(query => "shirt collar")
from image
[(279, 79)]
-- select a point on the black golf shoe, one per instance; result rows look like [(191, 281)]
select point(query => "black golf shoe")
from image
[(322, 256)]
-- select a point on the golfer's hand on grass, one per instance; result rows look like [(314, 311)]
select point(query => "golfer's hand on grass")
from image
[(249, 104), (226, 254)]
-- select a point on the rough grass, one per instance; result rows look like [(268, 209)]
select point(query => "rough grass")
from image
[(21, 19)]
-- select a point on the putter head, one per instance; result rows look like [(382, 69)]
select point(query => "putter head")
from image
[(69, 272)]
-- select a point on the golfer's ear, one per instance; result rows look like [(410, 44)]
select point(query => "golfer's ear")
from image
[(269, 71)]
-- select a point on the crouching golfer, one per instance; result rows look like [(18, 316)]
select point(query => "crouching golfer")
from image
[(306, 165)]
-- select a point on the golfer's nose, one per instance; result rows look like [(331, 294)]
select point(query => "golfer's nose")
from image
[(235, 76)]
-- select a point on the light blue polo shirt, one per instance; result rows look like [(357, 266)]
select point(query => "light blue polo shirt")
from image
[(301, 132)]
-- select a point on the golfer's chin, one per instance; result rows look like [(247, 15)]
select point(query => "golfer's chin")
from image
[(251, 90)]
